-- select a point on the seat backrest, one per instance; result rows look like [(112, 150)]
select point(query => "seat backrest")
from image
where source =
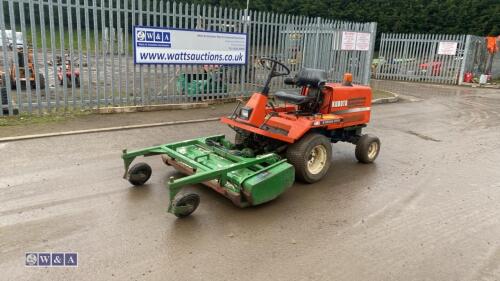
[(309, 77), (312, 82)]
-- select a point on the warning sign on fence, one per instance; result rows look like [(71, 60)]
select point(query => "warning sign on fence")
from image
[(348, 40), (355, 41), (362, 41), (447, 48)]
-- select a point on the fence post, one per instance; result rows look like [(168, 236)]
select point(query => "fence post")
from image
[(243, 69), (464, 60), (369, 57), (6, 67), (316, 43), (432, 53)]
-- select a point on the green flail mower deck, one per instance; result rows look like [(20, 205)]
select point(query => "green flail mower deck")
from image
[(246, 181)]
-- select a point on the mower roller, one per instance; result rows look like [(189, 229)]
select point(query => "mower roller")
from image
[(274, 144)]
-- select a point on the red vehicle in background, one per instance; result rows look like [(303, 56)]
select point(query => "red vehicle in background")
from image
[(435, 68), (70, 71)]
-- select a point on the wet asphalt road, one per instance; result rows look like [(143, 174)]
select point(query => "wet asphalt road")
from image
[(428, 209)]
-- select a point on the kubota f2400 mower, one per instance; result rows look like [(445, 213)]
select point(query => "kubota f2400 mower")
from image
[(273, 145)]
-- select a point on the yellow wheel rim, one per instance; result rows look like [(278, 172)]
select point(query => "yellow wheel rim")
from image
[(317, 159), (372, 150)]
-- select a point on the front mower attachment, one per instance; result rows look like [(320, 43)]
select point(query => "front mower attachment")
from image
[(213, 161)]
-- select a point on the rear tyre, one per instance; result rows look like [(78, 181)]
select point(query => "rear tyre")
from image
[(367, 149), (186, 205), (311, 157), (139, 174)]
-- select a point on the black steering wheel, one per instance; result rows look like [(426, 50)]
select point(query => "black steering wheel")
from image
[(271, 64)]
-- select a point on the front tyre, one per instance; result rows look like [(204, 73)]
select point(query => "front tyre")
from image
[(311, 157), (139, 174), (367, 149), (186, 205)]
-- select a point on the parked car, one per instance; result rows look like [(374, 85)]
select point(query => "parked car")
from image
[(9, 39)]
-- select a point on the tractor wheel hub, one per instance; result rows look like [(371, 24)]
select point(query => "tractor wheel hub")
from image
[(372, 150), (317, 159)]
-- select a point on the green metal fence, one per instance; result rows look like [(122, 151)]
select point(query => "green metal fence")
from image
[(95, 37)]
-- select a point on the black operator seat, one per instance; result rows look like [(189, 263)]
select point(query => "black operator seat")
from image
[(307, 77)]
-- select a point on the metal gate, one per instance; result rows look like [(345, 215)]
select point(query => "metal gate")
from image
[(318, 45), (475, 57), (434, 58), (44, 41)]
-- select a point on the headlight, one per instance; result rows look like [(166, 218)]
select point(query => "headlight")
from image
[(245, 113)]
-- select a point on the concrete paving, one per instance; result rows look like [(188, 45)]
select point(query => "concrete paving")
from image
[(428, 209)]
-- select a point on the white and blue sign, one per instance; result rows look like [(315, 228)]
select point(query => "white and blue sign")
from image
[(155, 45), (51, 259)]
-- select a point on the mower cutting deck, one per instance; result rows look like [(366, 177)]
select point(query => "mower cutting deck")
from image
[(244, 180), (273, 144)]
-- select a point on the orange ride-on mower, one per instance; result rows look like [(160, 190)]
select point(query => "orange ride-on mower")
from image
[(274, 144)]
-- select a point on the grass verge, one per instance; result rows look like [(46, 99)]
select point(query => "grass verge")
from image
[(50, 117)]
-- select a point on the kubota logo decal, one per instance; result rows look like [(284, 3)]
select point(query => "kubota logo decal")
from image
[(339, 103)]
